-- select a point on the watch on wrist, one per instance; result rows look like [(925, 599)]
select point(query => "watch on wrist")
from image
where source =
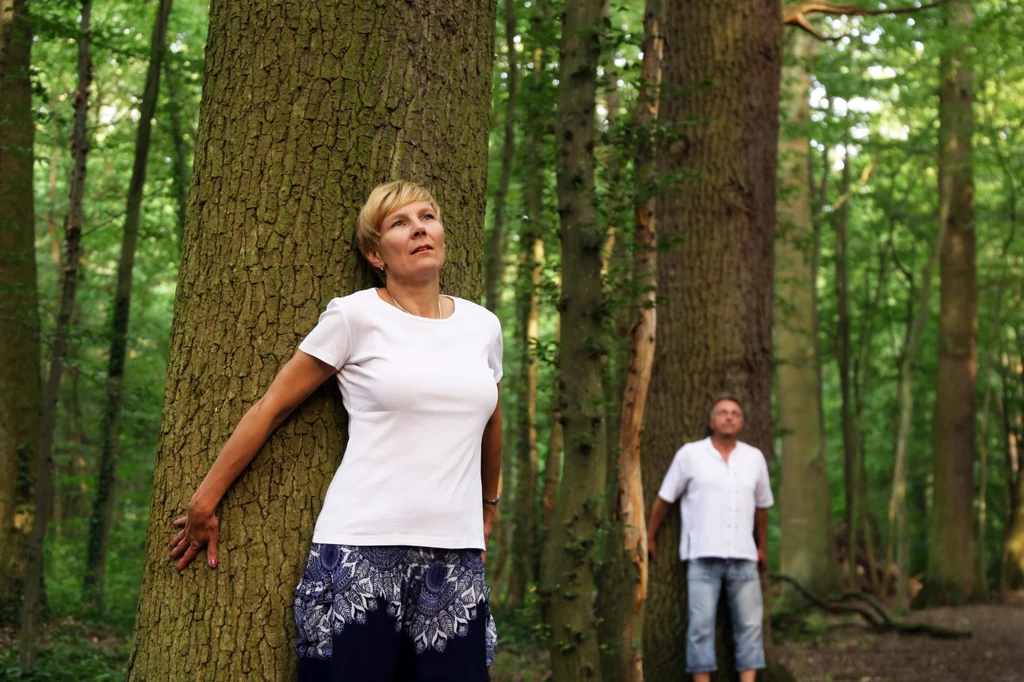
[(487, 500)]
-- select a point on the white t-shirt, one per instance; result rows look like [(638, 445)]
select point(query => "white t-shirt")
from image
[(418, 392), (719, 499)]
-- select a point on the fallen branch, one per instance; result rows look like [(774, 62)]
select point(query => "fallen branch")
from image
[(872, 611), (796, 13)]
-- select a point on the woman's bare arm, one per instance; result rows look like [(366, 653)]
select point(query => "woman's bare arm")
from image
[(490, 465), (300, 376)]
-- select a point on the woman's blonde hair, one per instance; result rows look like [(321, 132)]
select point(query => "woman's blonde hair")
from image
[(385, 199)]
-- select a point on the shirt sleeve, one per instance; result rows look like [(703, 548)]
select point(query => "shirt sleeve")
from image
[(331, 338), (495, 351), (763, 489), (674, 483)]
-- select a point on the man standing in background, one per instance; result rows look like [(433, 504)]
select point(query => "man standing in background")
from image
[(725, 493)]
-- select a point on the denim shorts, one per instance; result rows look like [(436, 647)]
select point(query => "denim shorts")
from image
[(393, 613), (705, 578)]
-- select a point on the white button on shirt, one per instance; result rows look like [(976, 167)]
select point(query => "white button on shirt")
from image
[(719, 499)]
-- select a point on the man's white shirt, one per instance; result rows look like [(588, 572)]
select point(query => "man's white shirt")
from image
[(719, 499)]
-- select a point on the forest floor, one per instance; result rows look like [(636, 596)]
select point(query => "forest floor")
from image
[(826, 650), (995, 652), (839, 650)]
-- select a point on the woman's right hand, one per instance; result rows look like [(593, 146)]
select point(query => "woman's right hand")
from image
[(198, 530)]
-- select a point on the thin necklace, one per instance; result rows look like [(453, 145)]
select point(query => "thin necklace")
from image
[(406, 311)]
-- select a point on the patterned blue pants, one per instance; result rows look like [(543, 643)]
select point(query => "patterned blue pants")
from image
[(393, 613)]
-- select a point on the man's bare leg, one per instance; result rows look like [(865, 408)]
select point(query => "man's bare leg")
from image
[(702, 677), (748, 675)]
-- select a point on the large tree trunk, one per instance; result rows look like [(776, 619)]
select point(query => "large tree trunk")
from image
[(304, 110), (574, 646), (32, 609), (720, 95), (19, 302), (808, 549), (951, 575), (103, 503)]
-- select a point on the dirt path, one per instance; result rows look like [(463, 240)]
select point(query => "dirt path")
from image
[(994, 654)]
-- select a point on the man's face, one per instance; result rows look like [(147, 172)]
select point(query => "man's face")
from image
[(726, 418)]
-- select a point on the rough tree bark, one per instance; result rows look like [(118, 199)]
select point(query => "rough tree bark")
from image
[(624, 576), (495, 255), (808, 549), (305, 108), (719, 97), (103, 503), (31, 612), (951, 578), (574, 646), (19, 302)]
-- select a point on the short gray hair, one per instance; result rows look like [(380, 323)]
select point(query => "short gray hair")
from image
[(722, 397)]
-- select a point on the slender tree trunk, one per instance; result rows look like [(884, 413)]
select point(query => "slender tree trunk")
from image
[(531, 257), (899, 529), (103, 504), (19, 303), (538, 109), (951, 575), (850, 446), (31, 615), (808, 549), (182, 175), (574, 646), (716, 312), (495, 255), (624, 585), (51, 211), (267, 243), (527, 280)]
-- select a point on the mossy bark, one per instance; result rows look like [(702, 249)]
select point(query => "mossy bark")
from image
[(305, 108), (574, 646), (19, 303)]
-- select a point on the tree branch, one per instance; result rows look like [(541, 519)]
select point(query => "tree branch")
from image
[(872, 611), (797, 13)]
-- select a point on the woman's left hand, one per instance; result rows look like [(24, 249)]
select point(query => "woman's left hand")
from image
[(490, 514)]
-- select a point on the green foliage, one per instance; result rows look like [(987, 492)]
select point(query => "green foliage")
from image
[(74, 652)]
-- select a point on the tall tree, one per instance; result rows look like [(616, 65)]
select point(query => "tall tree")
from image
[(495, 254), (951, 575), (898, 546), (19, 301), (574, 646), (103, 502), (336, 100), (31, 613), (808, 550), (623, 586), (844, 352), (714, 332), (526, 329)]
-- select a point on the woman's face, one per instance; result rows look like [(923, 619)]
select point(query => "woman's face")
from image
[(411, 243)]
